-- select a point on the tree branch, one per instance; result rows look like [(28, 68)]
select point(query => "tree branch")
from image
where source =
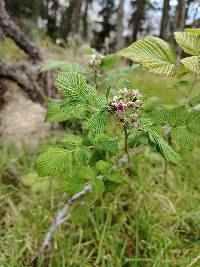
[(21, 79), (60, 216), (11, 30)]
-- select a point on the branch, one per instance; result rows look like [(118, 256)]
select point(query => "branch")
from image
[(11, 30), (21, 79), (60, 216)]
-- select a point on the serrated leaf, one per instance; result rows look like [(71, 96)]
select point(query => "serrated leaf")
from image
[(53, 161), (157, 117), (98, 187), (189, 42), (178, 116), (74, 184), (192, 63), (97, 124), (115, 177), (193, 122), (71, 141), (154, 54), (74, 87), (82, 156), (161, 145), (86, 173), (102, 103), (105, 144), (103, 166), (54, 113), (182, 137), (74, 109)]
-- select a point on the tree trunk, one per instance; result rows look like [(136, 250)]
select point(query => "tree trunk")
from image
[(138, 17), (120, 26), (85, 20), (179, 19), (11, 30), (165, 20)]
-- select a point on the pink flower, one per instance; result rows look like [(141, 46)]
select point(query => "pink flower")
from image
[(121, 107)]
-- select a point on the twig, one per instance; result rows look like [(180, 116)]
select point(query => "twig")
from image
[(60, 216), (126, 143), (194, 261)]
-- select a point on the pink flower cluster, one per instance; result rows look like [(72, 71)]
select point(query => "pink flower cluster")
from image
[(95, 62), (126, 106)]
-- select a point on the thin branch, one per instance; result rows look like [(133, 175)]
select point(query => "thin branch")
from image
[(126, 143), (60, 216)]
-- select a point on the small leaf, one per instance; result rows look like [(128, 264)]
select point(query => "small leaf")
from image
[(74, 184), (115, 177), (103, 166), (82, 156), (178, 116), (71, 141), (161, 145), (182, 137), (193, 122), (54, 113), (74, 109), (53, 161), (98, 187), (109, 145)]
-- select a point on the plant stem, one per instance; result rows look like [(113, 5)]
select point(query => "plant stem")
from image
[(95, 79), (126, 143)]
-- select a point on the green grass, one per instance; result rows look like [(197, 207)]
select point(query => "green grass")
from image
[(152, 220)]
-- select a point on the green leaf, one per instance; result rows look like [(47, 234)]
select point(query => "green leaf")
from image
[(193, 122), (74, 109), (53, 161), (97, 124), (178, 116), (115, 177), (74, 184), (161, 145), (74, 87), (109, 61), (182, 137), (80, 214), (98, 187), (82, 156), (157, 117), (86, 173), (192, 63), (154, 54), (105, 144), (62, 65), (71, 141), (189, 42), (196, 31), (54, 112), (103, 166)]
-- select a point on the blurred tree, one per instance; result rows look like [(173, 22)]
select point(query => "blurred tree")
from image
[(165, 20), (180, 15), (120, 25), (87, 3), (102, 38), (137, 17)]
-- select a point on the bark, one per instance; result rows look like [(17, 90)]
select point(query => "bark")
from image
[(85, 20), (138, 17), (180, 16), (10, 29), (165, 20), (23, 80), (120, 26)]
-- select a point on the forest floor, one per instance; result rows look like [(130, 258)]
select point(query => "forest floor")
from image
[(153, 220)]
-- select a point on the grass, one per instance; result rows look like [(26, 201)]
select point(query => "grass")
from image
[(152, 220)]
